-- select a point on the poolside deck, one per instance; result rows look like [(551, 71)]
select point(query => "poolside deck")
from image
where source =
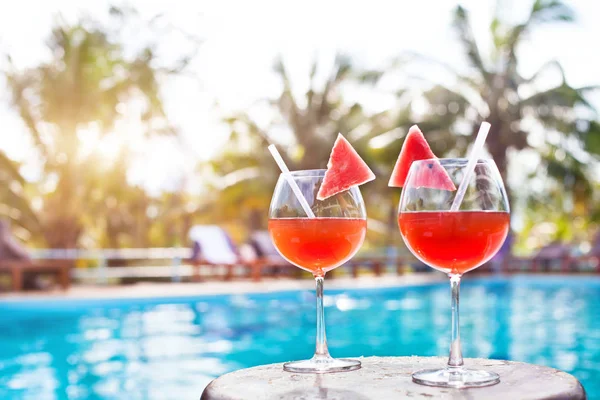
[(148, 289)]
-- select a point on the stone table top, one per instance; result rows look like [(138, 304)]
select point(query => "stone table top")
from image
[(383, 378)]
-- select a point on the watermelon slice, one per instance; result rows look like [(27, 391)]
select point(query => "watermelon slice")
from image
[(415, 148), (345, 169)]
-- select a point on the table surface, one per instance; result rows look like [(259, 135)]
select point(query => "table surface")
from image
[(390, 378)]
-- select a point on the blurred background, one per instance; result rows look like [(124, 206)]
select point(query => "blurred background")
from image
[(134, 135), (125, 124)]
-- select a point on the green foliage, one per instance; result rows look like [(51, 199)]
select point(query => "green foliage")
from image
[(90, 80), (494, 90), (304, 129), (87, 85), (14, 204)]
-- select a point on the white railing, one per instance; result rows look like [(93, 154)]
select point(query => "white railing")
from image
[(173, 268), (156, 253), (101, 273)]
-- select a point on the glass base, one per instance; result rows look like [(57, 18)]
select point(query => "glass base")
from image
[(455, 377), (322, 365)]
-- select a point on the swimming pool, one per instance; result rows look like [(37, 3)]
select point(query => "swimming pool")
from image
[(171, 348)]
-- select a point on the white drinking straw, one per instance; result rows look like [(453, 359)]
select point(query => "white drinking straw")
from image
[(288, 176), (477, 147)]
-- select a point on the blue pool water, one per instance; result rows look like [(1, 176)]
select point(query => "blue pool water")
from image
[(170, 349)]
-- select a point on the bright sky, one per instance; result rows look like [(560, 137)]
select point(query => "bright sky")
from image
[(242, 38)]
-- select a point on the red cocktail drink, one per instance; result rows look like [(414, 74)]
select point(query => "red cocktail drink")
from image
[(317, 245), (454, 216), (454, 242), (317, 224)]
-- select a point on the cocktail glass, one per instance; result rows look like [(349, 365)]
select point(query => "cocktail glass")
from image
[(454, 242), (317, 245)]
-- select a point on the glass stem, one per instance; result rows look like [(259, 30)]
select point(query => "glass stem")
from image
[(321, 350), (455, 359)]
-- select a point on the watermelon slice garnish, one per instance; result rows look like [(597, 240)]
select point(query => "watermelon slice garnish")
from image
[(415, 148), (345, 169)]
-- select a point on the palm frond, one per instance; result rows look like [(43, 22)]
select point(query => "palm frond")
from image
[(25, 216), (590, 136), (286, 102), (311, 88), (461, 78), (542, 11), (440, 95), (462, 25), (9, 166), (18, 83), (370, 77), (562, 95), (568, 171), (551, 11), (341, 68), (544, 68), (498, 36)]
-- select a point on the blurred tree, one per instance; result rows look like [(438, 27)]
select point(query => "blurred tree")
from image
[(304, 129), (14, 204), (89, 84), (304, 125), (541, 112), (554, 119), (493, 89)]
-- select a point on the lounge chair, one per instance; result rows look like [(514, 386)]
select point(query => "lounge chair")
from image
[(24, 271), (213, 247), (589, 262), (18, 269), (266, 257), (554, 257)]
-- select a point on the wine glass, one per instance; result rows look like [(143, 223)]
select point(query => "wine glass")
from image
[(454, 242), (317, 245)]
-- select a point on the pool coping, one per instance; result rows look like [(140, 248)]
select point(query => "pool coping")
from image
[(217, 292), (220, 288)]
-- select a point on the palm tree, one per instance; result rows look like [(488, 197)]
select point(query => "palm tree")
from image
[(494, 90), (314, 120), (557, 122), (304, 128), (88, 84)]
